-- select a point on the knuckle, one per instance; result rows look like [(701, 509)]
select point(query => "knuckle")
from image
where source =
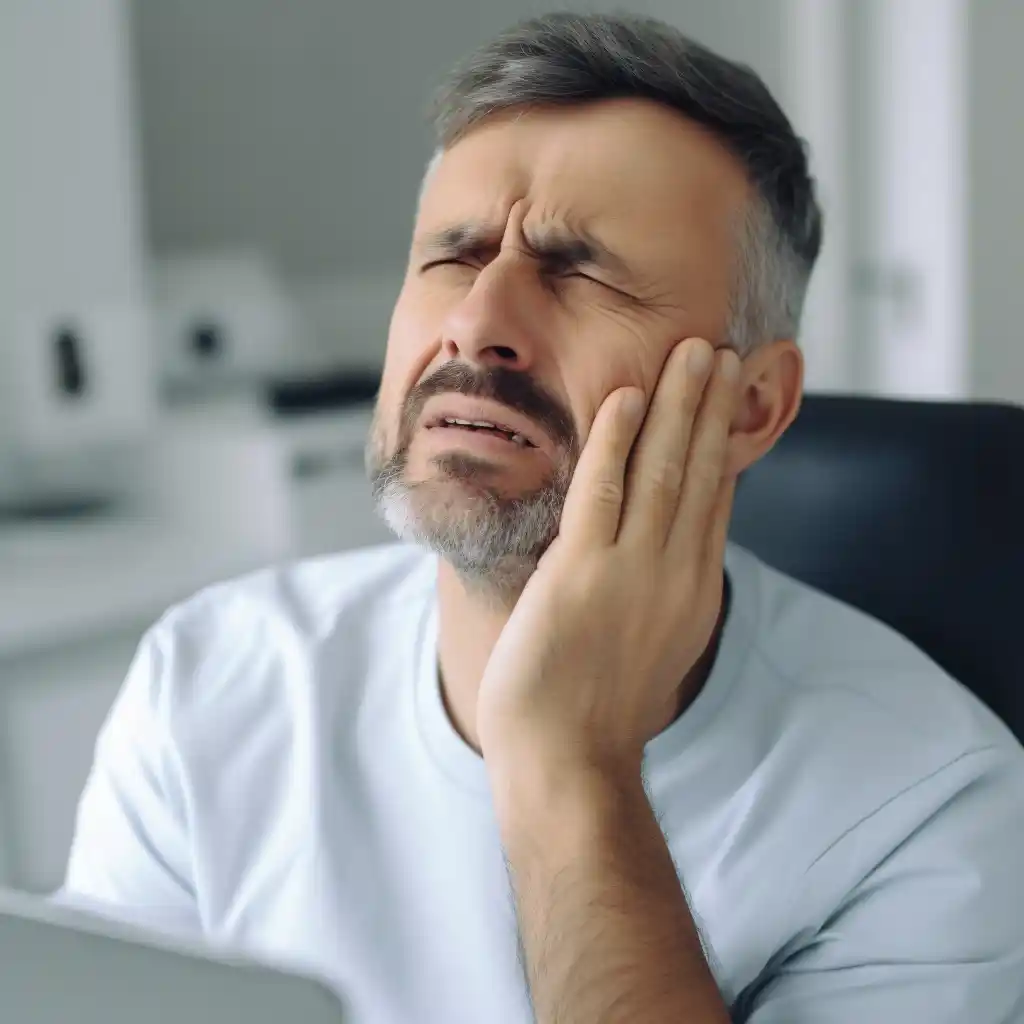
[(698, 472), (703, 474), (665, 477), (607, 492)]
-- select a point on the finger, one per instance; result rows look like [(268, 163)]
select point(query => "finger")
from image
[(708, 571), (707, 457), (593, 504), (718, 537), (655, 476)]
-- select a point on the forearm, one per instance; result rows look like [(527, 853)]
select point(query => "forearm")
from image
[(606, 931)]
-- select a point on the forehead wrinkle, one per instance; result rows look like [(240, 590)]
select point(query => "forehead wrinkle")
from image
[(544, 219), (573, 233), (474, 233), (541, 189), (473, 219)]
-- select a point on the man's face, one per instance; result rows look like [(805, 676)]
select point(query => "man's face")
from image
[(557, 255)]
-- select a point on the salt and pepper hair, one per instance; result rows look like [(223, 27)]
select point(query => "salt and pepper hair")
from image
[(569, 59)]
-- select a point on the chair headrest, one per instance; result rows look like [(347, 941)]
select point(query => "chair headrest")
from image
[(913, 512)]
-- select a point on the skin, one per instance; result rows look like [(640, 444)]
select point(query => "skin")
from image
[(614, 633)]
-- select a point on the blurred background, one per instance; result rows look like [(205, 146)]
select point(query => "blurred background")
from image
[(205, 210)]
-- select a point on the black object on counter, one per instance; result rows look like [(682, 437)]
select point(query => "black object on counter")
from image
[(340, 390)]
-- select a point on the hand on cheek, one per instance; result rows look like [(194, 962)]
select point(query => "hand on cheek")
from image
[(625, 601)]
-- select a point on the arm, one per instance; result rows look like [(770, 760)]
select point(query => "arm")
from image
[(604, 924), (935, 932), (589, 666)]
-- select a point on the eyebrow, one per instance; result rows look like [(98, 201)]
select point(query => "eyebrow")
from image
[(552, 245)]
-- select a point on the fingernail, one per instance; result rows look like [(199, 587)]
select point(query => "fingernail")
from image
[(698, 361), (730, 365)]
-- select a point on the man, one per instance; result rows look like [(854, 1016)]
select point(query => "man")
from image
[(569, 754)]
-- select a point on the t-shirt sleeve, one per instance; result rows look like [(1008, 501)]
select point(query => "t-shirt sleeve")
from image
[(130, 857), (935, 931)]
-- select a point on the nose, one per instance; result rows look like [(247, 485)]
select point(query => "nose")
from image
[(496, 322)]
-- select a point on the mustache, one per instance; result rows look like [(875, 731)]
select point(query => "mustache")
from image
[(512, 388)]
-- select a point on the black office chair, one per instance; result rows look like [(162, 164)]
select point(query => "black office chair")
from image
[(913, 512)]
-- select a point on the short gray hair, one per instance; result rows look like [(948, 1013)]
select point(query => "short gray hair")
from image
[(564, 59)]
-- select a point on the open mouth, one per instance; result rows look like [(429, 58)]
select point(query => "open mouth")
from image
[(484, 427)]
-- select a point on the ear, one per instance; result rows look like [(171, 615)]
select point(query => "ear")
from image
[(771, 389)]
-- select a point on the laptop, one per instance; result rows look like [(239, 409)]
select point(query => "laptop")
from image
[(59, 965)]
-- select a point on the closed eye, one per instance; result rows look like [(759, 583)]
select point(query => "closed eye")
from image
[(563, 274), (569, 274), (449, 261), (567, 270)]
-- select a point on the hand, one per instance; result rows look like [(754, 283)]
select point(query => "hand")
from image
[(626, 599)]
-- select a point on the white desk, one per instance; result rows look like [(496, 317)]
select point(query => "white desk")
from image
[(60, 586)]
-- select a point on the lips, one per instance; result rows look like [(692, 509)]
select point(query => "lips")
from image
[(459, 413), (486, 427)]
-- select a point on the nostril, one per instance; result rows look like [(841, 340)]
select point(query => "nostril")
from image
[(506, 353)]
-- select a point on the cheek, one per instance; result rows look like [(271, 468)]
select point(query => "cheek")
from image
[(413, 344), (604, 371)]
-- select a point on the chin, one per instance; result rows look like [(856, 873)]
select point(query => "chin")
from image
[(481, 533), (491, 528), (444, 499), (458, 474)]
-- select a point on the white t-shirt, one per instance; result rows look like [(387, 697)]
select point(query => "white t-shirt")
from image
[(280, 774)]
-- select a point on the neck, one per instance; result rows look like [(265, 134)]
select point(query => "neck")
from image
[(469, 626)]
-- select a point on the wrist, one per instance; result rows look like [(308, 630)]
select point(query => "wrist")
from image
[(560, 797)]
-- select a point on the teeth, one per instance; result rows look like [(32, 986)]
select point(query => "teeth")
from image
[(516, 439), (471, 423)]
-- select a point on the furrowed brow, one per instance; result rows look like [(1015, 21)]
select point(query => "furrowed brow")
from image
[(459, 239), (575, 249), (553, 246)]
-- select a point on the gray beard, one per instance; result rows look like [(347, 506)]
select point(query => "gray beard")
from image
[(492, 542)]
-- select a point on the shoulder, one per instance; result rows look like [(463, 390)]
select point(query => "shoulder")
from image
[(828, 661), (866, 775), (273, 625), (857, 730)]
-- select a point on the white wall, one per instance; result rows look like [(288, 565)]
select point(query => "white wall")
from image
[(298, 126), (934, 187), (996, 226), (71, 214), (913, 196)]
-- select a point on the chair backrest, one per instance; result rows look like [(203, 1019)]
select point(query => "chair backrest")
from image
[(913, 512)]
